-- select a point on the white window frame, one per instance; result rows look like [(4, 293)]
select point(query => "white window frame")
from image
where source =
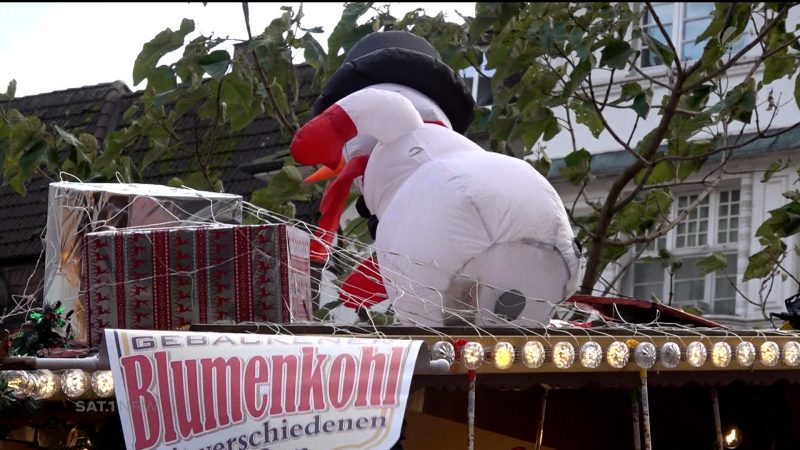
[(471, 72), (678, 26), (711, 246)]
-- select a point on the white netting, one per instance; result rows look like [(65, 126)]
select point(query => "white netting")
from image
[(348, 253)]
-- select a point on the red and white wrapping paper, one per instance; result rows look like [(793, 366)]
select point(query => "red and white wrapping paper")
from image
[(166, 279)]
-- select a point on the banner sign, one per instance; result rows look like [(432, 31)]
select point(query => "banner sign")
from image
[(227, 391)]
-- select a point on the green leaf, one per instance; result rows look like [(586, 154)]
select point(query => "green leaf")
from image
[(774, 166), (641, 105), (663, 52), (35, 154), (778, 66), (164, 42), (237, 89), (760, 264), (797, 90), (10, 91), (712, 263), (576, 77), (628, 91), (325, 310), (286, 185), (586, 114), (615, 54), (663, 172), (658, 203), (161, 79), (215, 63), (577, 166), (542, 165)]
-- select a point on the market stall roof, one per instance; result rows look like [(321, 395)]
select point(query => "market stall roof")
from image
[(638, 311)]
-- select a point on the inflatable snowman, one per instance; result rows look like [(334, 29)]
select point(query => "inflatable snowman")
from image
[(463, 235)]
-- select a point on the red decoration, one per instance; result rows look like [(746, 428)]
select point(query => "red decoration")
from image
[(169, 278)]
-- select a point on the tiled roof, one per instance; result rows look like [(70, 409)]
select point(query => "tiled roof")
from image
[(88, 109), (613, 162)]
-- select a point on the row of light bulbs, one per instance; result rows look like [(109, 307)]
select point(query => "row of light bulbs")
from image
[(43, 384), (644, 354)]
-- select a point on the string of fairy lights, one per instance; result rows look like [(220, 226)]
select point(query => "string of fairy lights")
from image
[(533, 356), (73, 384)]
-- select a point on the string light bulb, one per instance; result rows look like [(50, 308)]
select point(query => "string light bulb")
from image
[(503, 355), (533, 354), (670, 355), (721, 354), (696, 354), (618, 355), (21, 382), (443, 350), (644, 355), (102, 383), (791, 353), (732, 438), (591, 355), (563, 355), (74, 383), (472, 355), (47, 385), (745, 354), (770, 353)]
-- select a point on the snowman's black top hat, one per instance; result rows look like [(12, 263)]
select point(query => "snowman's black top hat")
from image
[(402, 58)]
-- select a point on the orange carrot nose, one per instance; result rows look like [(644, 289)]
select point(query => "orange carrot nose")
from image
[(325, 172)]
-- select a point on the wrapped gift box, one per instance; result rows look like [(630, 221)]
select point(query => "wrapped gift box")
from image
[(169, 278), (77, 208)]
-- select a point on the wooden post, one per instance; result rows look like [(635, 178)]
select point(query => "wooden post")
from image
[(540, 428), (717, 421), (471, 411), (635, 415), (648, 444)]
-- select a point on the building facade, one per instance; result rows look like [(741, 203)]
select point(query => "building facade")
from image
[(726, 220)]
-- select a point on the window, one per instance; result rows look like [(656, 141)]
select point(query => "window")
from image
[(478, 84), (683, 22), (712, 226)]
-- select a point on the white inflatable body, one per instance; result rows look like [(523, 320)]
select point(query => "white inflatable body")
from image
[(459, 227)]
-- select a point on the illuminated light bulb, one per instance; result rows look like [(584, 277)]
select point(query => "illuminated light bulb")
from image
[(696, 354), (618, 355), (21, 382), (563, 355), (645, 355), (443, 350), (47, 385), (721, 354), (791, 353), (74, 383), (770, 353), (472, 355), (732, 438), (670, 355), (533, 354), (591, 355), (745, 354), (102, 383), (503, 355)]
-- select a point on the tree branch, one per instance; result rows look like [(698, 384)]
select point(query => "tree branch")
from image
[(594, 262), (273, 103)]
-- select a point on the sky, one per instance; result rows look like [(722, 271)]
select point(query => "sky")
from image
[(53, 46)]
